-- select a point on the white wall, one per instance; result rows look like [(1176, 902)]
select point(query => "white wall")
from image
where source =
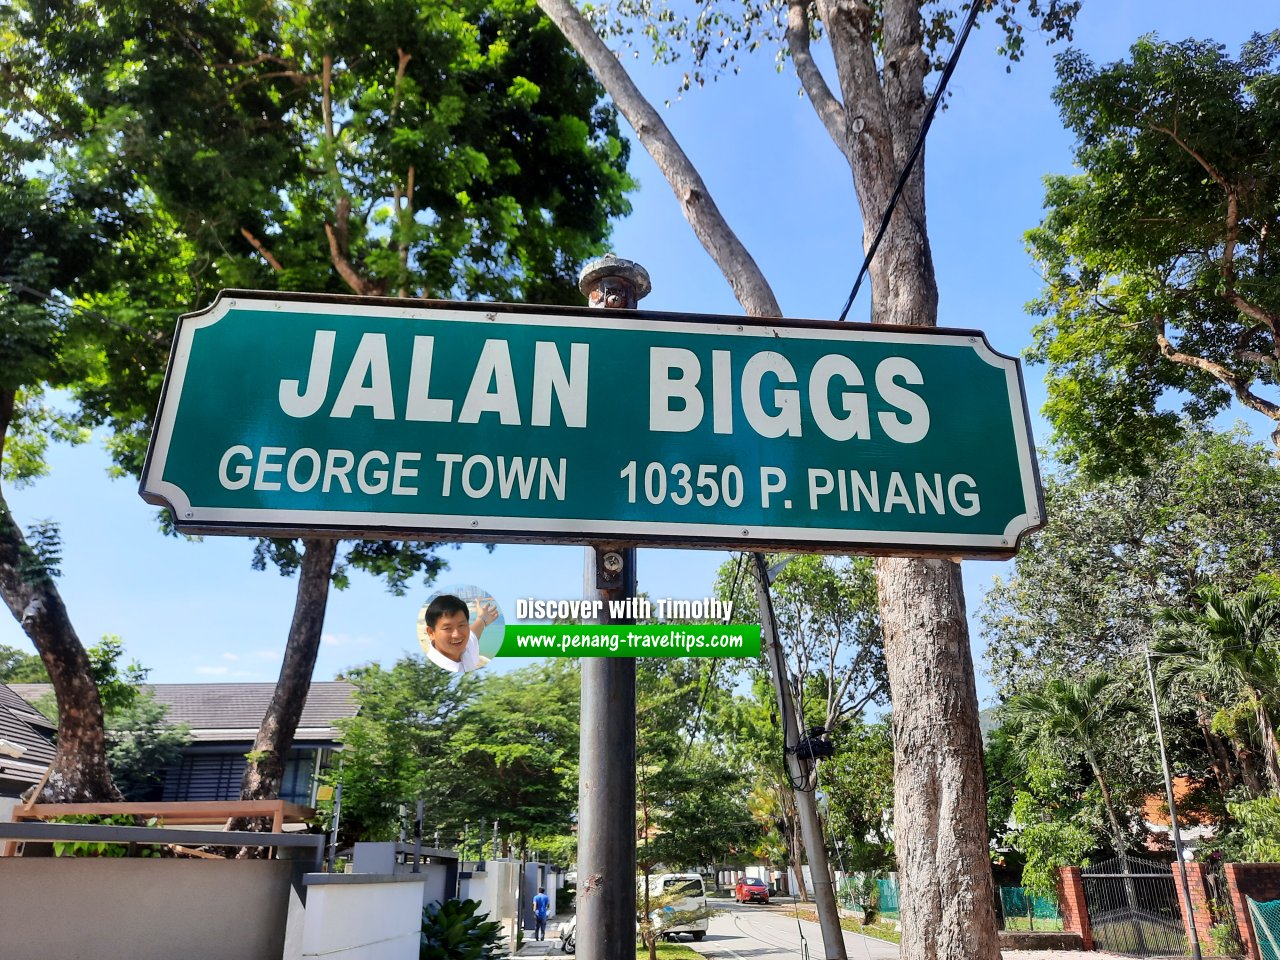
[(136, 908), (358, 916), (495, 888)]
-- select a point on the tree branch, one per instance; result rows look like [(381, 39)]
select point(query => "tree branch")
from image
[(8, 400), (262, 250), (733, 259), (830, 111), (1233, 204), (850, 28), (301, 78), (405, 216), (326, 95), (1197, 157), (342, 264), (338, 231), (15, 89), (1238, 385), (1255, 356), (1270, 320), (403, 65), (254, 61)]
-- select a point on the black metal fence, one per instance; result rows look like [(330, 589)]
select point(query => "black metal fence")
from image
[(1133, 907)]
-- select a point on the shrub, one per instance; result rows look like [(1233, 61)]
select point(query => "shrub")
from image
[(1225, 940), (452, 931), (1258, 826)]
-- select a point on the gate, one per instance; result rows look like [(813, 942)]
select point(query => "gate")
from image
[(1133, 907)]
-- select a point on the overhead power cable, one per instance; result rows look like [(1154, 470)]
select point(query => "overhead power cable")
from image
[(947, 70)]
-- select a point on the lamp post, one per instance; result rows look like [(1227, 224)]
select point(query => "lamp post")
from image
[(1173, 815)]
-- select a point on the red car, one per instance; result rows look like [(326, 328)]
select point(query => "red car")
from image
[(752, 889)]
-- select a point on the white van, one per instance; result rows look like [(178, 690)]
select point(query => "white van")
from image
[(693, 896)]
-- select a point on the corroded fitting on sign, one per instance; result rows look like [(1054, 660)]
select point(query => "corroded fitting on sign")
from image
[(613, 283)]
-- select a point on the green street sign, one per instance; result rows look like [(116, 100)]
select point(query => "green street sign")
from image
[(288, 414)]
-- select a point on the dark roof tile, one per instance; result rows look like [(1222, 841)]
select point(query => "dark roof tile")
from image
[(25, 727), (234, 711)]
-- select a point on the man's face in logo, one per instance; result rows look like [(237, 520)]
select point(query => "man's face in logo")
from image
[(450, 634)]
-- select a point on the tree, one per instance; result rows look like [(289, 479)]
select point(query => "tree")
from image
[(1158, 259), (858, 782), (141, 744), (1050, 823), (1227, 641), (827, 618), (19, 667), (1086, 591), (691, 788), (514, 753), (397, 746), (493, 747), (1072, 716), (370, 147), (882, 53), (140, 741), (46, 241), (830, 632), (772, 801)]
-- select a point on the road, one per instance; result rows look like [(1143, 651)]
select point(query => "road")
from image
[(751, 931)]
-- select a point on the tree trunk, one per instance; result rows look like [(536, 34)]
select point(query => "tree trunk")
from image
[(265, 772), (940, 790), (794, 842), (1117, 834), (80, 772), (797, 866), (940, 800), (1248, 769), (1267, 734), (1218, 750)]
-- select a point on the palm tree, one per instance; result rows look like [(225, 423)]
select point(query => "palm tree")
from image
[(1075, 716), (1229, 642)]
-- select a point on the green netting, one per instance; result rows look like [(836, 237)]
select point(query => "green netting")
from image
[(852, 890), (888, 897), (1016, 902), (846, 891), (1266, 923)]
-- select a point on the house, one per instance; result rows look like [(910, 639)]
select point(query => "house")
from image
[(1195, 825), (223, 719), (26, 747)]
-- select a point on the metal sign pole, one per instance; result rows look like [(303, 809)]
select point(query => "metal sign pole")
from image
[(606, 925)]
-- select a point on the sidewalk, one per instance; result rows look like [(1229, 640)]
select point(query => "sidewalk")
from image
[(549, 947)]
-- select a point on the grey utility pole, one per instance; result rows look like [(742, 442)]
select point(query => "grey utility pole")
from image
[(1173, 816), (798, 770), (607, 747)]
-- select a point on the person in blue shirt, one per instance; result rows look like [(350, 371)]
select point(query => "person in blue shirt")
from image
[(541, 903)]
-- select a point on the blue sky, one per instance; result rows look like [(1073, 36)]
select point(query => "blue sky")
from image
[(196, 611)]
